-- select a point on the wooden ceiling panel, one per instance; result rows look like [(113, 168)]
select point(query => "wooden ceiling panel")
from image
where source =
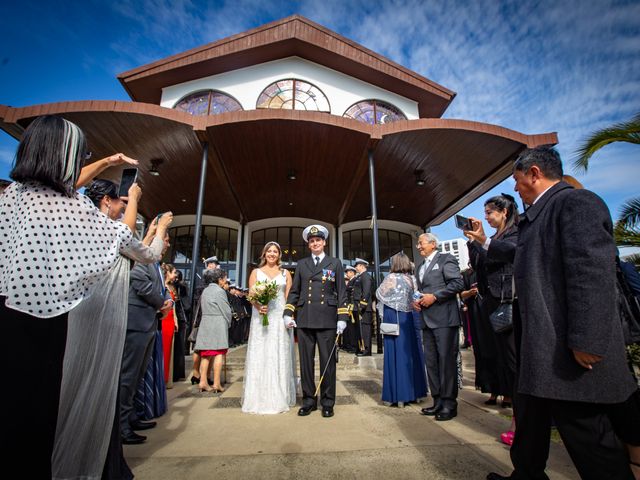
[(453, 163), (258, 156)]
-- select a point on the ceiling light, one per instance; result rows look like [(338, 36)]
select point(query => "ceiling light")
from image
[(419, 174), (291, 175)]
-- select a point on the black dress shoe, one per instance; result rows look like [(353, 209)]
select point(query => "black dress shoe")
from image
[(304, 411), (491, 401), (195, 380), (140, 425), (132, 438), (431, 411), (327, 412), (497, 476), (446, 414)]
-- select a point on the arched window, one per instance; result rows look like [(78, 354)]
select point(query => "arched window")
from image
[(374, 112), (359, 244), (208, 102), (292, 94), (219, 241)]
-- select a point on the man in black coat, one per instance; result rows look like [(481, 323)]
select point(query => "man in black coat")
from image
[(362, 297), (439, 280), (318, 296), (572, 365)]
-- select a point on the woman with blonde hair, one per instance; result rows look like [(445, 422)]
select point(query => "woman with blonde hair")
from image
[(269, 380), (404, 377)]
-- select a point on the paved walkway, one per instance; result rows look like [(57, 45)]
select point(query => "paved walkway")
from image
[(207, 436)]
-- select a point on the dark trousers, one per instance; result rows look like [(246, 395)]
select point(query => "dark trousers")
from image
[(349, 337), (29, 418), (441, 358), (325, 338), (138, 348), (585, 430), (178, 352), (364, 330)]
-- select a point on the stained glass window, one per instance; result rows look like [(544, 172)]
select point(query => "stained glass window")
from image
[(374, 112), (292, 94), (208, 102)]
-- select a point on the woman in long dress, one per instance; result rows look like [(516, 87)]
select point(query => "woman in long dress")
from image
[(85, 434), (404, 378), (269, 377)]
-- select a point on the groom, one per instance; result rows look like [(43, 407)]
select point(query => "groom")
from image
[(319, 293)]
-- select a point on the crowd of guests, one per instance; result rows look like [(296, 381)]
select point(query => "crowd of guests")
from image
[(110, 338)]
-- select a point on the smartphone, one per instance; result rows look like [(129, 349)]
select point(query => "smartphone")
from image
[(129, 177), (463, 223)]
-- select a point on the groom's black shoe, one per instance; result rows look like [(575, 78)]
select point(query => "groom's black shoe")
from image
[(327, 412), (304, 411)]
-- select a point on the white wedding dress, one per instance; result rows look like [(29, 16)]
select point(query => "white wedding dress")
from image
[(269, 375)]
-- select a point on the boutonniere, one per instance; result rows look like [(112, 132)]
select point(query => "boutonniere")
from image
[(328, 275), (436, 267)]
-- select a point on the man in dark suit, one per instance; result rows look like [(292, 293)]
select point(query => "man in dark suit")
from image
[(572, 365), (362, 297), (318, 296), (439, 280), (147, 297)]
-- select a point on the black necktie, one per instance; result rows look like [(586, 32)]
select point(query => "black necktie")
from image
[(317, 260)]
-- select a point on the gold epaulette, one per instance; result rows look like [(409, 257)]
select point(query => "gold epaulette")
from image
[(343, 311), (363, 302)]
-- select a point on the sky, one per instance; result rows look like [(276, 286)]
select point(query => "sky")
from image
[(569, 67)]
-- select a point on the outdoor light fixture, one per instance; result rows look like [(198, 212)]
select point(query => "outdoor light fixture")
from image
[(291, 175), (155, 163), (419, 177)]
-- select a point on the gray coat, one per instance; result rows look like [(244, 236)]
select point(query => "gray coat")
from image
[(442, 279), (146, 296), (564, 272), (213, 333)]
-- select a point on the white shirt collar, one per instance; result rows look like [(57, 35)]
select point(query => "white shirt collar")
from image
[(540, 196), (430, 257), (321, 257)]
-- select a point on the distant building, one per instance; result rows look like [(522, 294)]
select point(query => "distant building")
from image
[(458, 248)]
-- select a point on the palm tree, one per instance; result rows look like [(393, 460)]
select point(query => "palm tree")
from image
[(627, 228), (620, 132)]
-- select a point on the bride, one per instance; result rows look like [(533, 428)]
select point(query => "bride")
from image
[(269, 377)]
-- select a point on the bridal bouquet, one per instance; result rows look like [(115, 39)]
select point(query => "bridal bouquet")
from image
[(263, 292)]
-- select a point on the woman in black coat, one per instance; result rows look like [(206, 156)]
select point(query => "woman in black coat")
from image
[(494, 283)]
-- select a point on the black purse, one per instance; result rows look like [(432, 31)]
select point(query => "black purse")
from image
[(502, 318)]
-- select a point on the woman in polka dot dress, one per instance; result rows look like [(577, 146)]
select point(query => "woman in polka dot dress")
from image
[(55, 249)]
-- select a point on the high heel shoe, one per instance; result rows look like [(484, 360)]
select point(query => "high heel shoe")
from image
[(206, 389), (217, 389), (195, 380)]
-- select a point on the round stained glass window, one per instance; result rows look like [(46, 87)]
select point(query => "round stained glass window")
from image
[(292, 94), (374, 112), (208, 102)]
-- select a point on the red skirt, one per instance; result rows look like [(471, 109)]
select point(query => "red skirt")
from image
[(213, 353)]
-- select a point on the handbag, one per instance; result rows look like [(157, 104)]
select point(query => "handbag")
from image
[(390, 328), (502, 318)]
